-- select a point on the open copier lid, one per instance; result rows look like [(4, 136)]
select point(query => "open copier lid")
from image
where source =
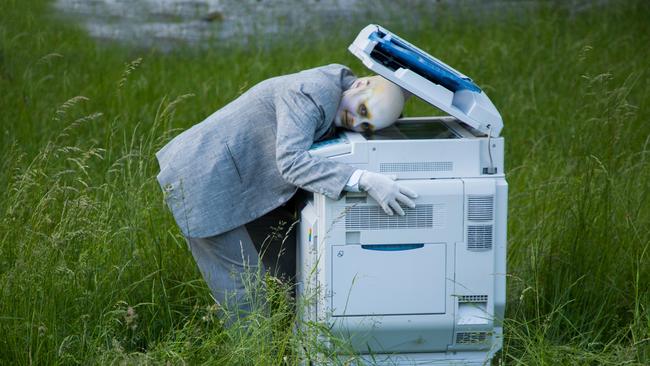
[(427, 77)]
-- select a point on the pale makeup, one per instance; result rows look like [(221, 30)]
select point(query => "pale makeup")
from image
[(371, 103)]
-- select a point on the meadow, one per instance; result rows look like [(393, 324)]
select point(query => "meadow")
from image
[(93, 269)]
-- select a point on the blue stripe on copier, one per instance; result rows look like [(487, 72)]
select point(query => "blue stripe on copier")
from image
[(393, 52), (391, 247)]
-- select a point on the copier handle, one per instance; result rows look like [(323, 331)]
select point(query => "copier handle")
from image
[(391, 247)]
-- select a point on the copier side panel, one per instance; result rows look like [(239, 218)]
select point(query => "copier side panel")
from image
[(476, 273), (323, 260), (501, 249), (306, 262)]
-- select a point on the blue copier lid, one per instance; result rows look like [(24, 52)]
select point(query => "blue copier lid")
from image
[(427, 77)]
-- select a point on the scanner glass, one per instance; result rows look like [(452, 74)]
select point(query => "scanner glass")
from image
[(414, 131)]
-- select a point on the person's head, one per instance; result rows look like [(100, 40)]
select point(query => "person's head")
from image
[(371, 103)]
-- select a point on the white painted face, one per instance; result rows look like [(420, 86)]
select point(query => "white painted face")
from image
[(371, 103)]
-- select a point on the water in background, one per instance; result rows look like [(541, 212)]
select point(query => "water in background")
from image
[(167, 23)]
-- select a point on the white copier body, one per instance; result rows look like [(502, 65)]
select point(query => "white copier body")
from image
[(426, 288)]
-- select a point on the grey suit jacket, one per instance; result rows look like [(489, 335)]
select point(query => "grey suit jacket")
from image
[(250, 156)]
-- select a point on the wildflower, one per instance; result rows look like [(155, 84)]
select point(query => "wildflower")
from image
[(130, 317)]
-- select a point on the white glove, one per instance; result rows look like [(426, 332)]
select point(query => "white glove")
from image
[(388, 193)]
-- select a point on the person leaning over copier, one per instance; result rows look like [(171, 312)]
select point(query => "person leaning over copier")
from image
[(251, 156)]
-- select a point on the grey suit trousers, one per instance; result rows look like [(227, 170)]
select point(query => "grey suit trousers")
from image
[(230, 265), (233, 263)]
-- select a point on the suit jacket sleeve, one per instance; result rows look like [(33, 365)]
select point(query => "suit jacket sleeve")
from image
[(299, 115)]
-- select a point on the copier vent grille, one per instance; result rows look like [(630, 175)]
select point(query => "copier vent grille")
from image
[(373, 218), (472, 298), (417, 166), (471, 337), (479, 237), (480, 208)]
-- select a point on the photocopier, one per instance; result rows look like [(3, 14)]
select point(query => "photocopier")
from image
[(426, 288)]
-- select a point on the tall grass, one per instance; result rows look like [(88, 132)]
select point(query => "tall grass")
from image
[(93, 269)]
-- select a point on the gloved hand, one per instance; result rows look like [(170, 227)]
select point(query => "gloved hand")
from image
[(388, 193)]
